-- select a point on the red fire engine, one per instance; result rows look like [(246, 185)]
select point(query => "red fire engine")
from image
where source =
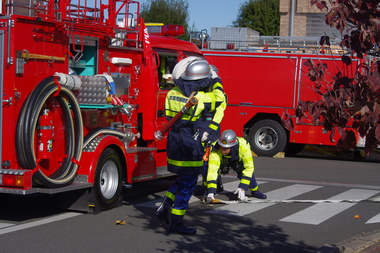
[(262, 86), (83, 87)]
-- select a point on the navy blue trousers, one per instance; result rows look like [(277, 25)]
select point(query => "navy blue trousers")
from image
[(183, 188)]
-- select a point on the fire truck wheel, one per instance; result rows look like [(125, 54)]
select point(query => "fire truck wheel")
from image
[(107, 185), (267, 138)]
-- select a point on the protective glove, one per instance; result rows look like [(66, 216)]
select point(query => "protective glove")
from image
[(211, 196), (204, 136), (240, 193)]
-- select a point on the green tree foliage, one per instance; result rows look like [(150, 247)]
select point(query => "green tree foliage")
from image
[(169, 12), (260, 15)]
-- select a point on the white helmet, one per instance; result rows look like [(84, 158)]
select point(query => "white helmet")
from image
[(181, 66), (227, 139), (196, 70)]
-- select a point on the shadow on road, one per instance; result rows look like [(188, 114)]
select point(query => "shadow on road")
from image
[(221, 233), (18, 208)]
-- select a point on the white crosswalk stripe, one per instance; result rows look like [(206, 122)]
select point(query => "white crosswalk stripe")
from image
[(14, 228), (282, 193), (4, 225), (321, 212), (375, 219), (231, 186)]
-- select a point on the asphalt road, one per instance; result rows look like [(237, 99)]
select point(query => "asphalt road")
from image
[(312, 201)]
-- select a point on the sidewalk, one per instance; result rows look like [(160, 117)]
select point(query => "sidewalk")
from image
[(368, 243)]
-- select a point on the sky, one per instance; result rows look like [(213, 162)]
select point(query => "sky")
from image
[(205, 14)]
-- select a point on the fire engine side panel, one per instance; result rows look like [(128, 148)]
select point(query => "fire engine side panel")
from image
[(255, 83), (233, 120), (304, 129), (129, 93), (270, 84), (21, 75), (143, 84), (149, 91), (142, 96), (257, 78), (1, 90)]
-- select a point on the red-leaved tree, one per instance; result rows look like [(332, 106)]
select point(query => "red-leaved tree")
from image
[(348, 100)]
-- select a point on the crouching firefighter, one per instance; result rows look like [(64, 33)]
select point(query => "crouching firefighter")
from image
[(185, 141), (234, 153)]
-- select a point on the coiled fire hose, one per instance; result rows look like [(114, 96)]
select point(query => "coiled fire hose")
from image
[(27, 124)]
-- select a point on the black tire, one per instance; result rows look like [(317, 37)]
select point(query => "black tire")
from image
[(267, 138), (293, 149), (108, 178)]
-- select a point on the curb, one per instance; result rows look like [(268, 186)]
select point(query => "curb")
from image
[(353, 245)]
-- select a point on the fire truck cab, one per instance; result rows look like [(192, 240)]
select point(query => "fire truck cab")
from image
[(83, 87)]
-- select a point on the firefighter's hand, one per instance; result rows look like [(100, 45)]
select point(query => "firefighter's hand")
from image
[(211, 196), (204, 137), (240, 193)]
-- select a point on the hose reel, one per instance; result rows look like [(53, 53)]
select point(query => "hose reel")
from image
[(27, 124)]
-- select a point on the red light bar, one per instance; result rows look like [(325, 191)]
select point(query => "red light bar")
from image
[(167, 30), (173, 30)]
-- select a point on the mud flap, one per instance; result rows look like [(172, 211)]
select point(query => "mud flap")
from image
[(74, 200)]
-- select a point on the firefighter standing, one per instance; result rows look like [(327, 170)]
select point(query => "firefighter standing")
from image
[(232, 153), (185, 139)]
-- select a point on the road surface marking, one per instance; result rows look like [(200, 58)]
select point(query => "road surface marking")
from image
[(374, 219), (281, 193), (362, 186), (231, 186), (15, 228), (321, 212), (4, 225)]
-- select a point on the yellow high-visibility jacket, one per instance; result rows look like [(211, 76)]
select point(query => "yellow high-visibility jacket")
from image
[(184, 147), (241, 153)]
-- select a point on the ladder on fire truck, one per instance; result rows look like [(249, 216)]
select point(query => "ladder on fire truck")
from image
[(272, 44), (277, 44), (118, 20)]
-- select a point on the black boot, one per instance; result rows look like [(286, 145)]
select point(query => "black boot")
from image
[(163, 210), (258, 194), (176, 225)]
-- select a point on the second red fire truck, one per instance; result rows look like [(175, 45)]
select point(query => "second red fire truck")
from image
[(265, 87)]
